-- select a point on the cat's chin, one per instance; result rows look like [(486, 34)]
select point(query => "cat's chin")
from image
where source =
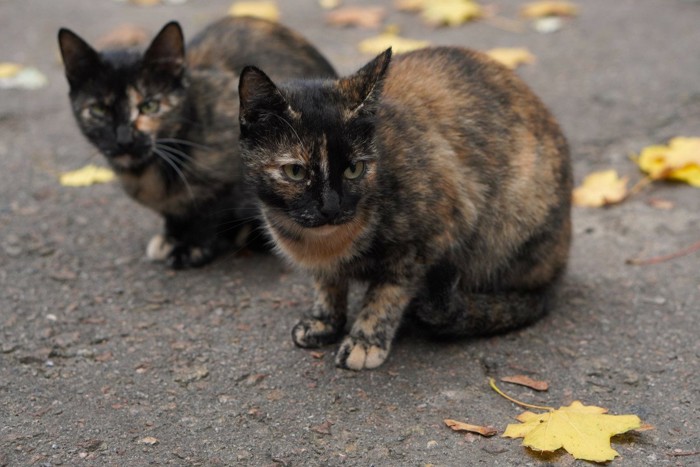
[(322, 230), (127, 162)]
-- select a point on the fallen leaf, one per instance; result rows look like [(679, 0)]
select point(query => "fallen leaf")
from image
[(329, 4), (583, 431), (450, 12), (14, 75), (362, 16), (144, 2), (378, 44), (149, 440), (511, 57), (548, 8), (88, 175), (410, 5), (125, 35), (548, 24), (600, 189), (658, 203), (679, 160), (460, 426), (264, 10), (526, 381), (322, 428)]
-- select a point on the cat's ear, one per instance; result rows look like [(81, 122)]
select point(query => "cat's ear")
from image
[(79, 59), (167, 51), (258, 96), (362, 89)]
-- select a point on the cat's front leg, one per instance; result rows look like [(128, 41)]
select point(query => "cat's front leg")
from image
[(325, 323), (369, 341), (186, 243)]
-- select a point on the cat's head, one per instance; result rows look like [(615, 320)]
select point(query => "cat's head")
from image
[(124, 100), (308, 146)]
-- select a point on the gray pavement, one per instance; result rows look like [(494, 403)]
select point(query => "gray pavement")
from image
[(107, 359)]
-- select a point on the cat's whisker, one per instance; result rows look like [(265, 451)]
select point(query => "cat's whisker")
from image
[(279, 117), (164, 157), (184, 142)]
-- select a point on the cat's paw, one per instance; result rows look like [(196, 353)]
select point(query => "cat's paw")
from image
[(357, 354), (159, 248), (189, 256), (310, 333)]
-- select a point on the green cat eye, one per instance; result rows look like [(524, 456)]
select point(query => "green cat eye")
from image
[(150, 106), (295, 172), (354, 170), (97, 110)]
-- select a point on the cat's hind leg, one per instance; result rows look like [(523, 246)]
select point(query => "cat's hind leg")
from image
[(444, 309), (326, 321)]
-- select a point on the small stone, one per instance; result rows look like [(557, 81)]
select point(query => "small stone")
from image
[(432, 444), (149, 440)]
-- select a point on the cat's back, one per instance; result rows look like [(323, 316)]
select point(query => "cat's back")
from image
[(235, 42)]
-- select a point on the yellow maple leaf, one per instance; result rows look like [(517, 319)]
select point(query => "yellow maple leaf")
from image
[(600, 189), (9, 70), (390, 38), (679, 160), (583, 430), (548, 8), (511, 56), (264, 10), (451, 12), (86, 176)]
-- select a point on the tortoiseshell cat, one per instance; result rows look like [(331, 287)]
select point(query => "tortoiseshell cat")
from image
[(166, 121), (441, 180)]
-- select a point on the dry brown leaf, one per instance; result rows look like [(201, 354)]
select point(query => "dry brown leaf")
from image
[(125, 35), (410, 5), (149, 440), (600, 189), (526, 381), (461, 426), (659, 203), (511, 57), (263, 10), (362, 16), (549, 8)]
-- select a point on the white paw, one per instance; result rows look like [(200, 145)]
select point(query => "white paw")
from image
[(159, 248), (355, 354)]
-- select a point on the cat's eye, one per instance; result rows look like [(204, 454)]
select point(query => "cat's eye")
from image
[(295, 172), (149, 106), (97, 110), (355, 170)]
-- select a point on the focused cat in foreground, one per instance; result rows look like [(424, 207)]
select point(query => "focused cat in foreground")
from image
[(438, 178), (167, 122)]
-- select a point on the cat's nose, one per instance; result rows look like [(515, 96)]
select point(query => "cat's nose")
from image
[(124, 135), (330, 206)]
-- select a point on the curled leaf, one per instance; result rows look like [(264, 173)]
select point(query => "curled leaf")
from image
[(263, 10), (600, 189), (86, 176), (526, 381), (511, 57), (461, 426), (679, 160)]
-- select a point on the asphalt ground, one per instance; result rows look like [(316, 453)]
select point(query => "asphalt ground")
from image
[(108, 359)]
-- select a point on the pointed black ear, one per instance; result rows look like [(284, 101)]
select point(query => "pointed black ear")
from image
[(362, 89), (167, 51), (258, 96), (79, 59)]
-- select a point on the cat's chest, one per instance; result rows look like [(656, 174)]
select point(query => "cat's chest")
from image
[(150, 189)]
